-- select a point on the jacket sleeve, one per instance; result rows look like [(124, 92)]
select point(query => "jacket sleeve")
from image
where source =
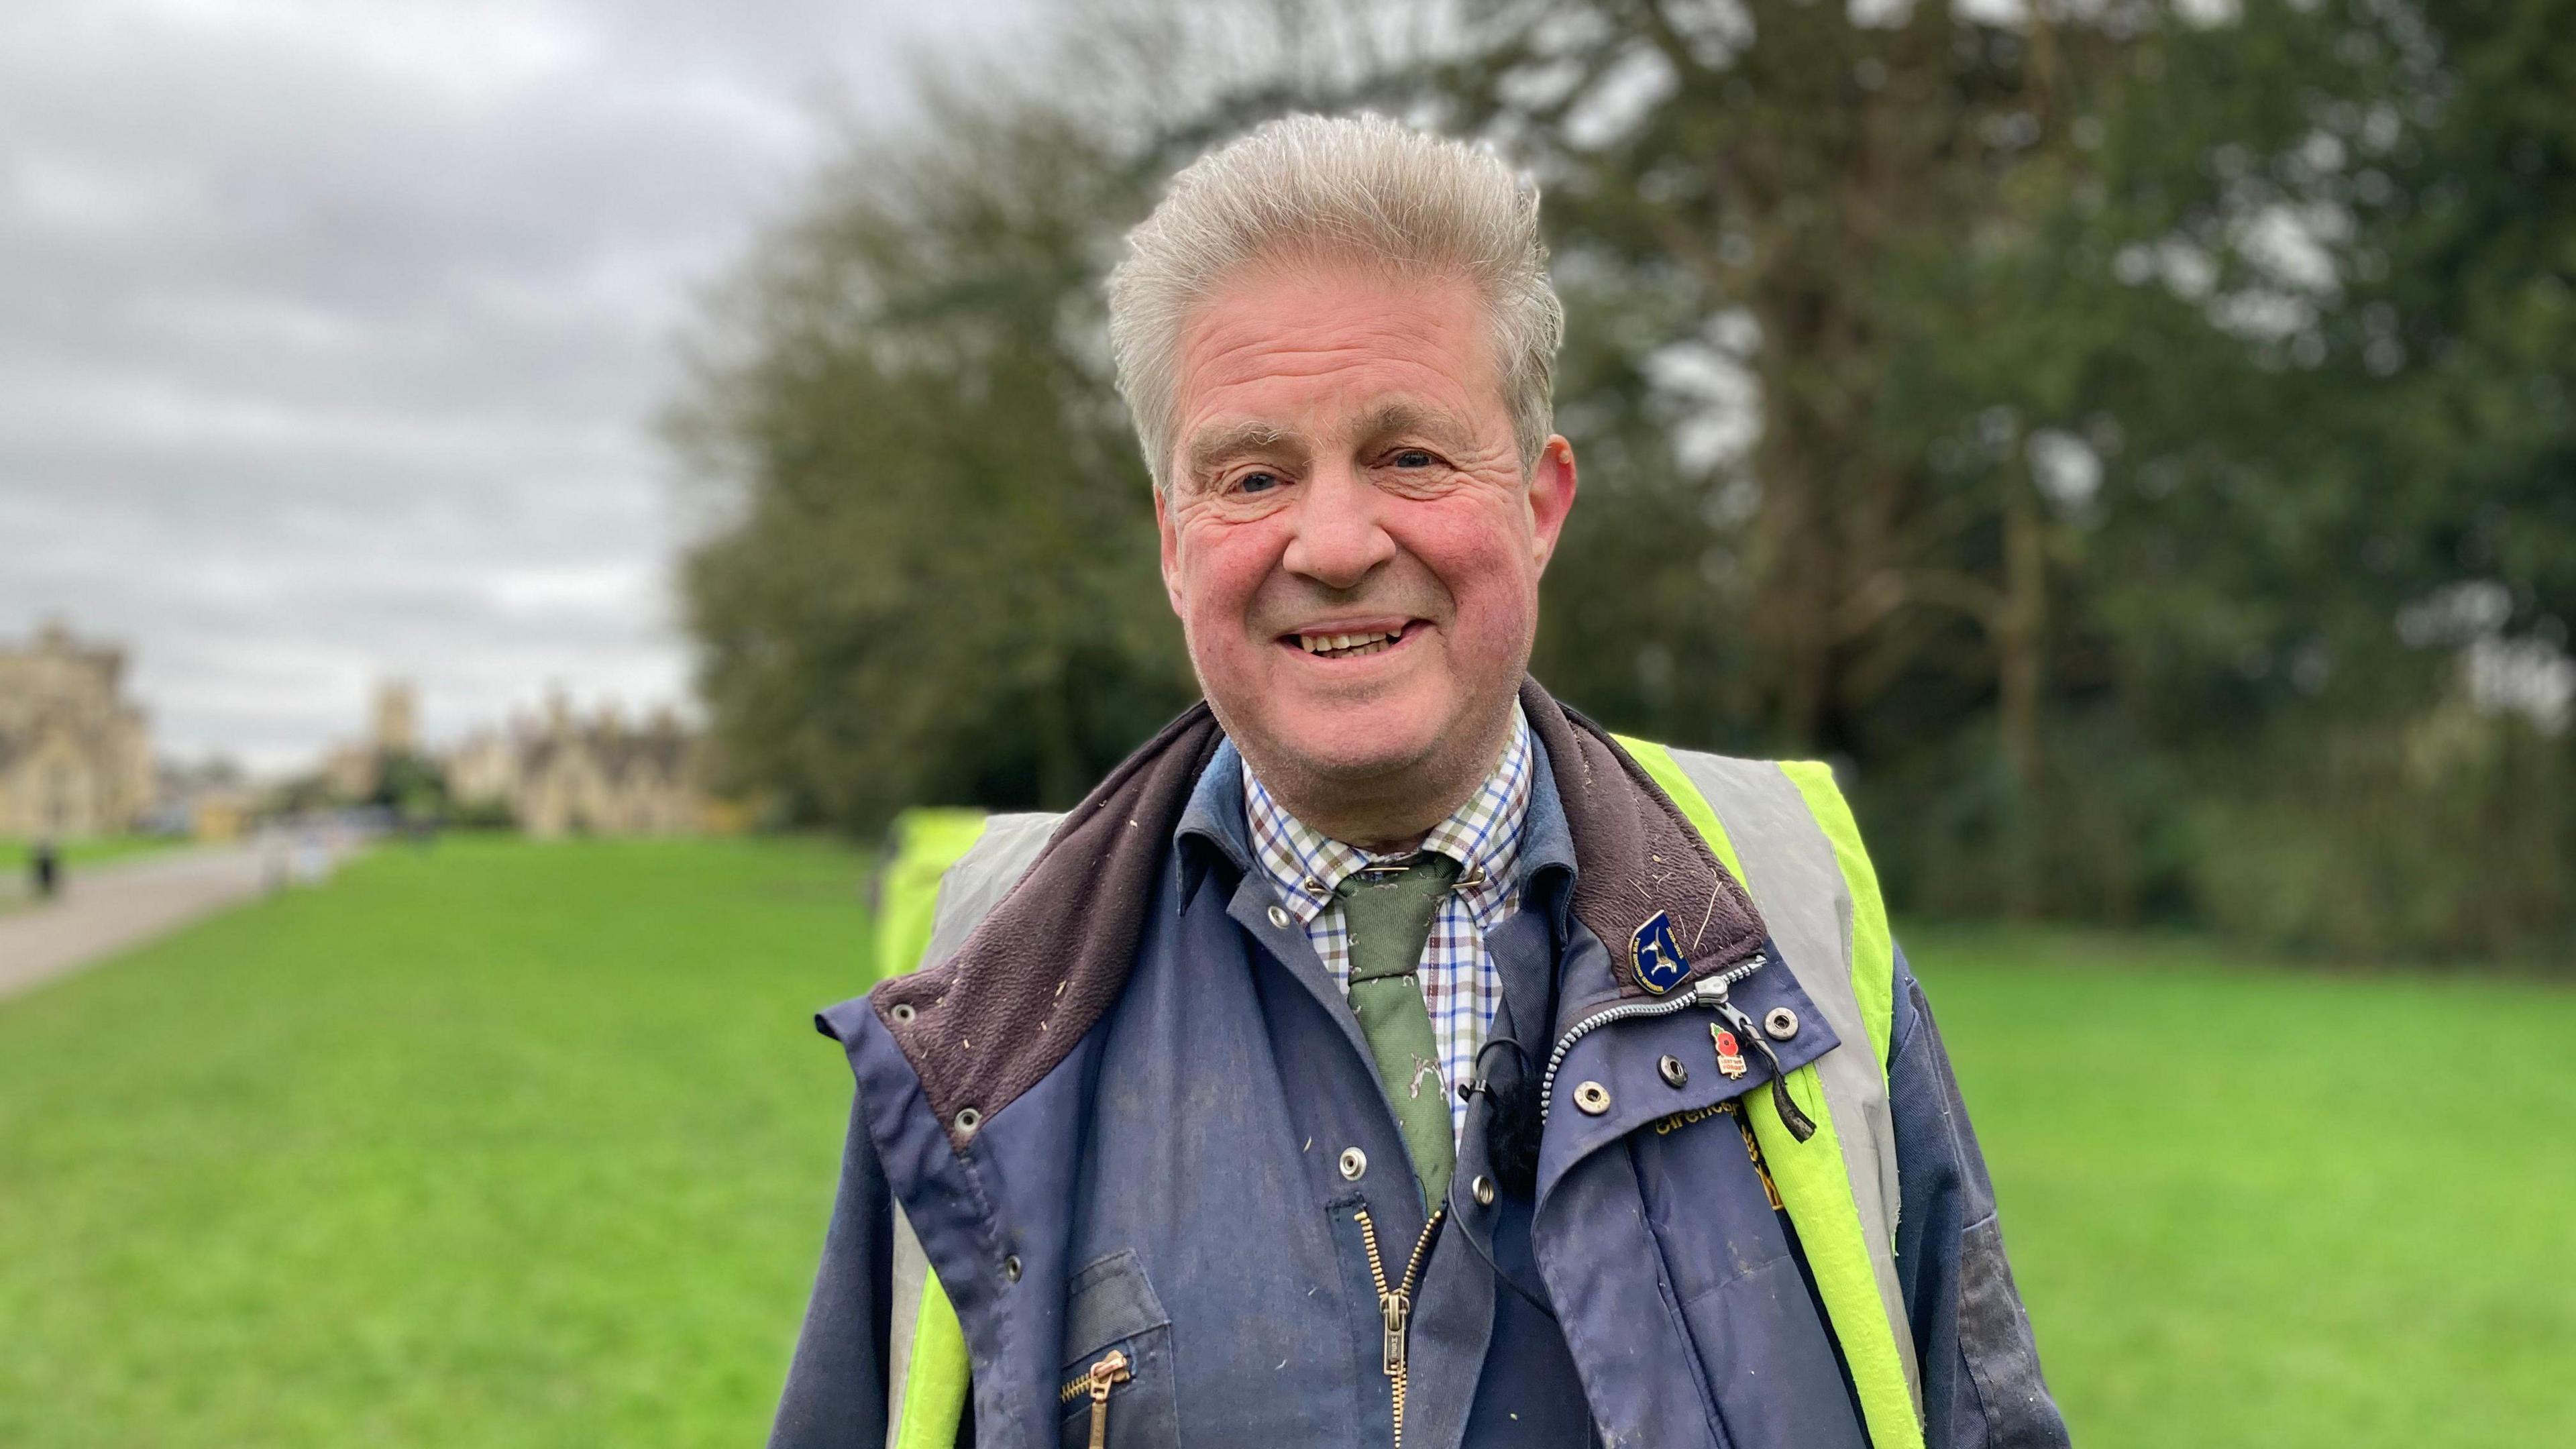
[(836, 1387), (1982, 1387)]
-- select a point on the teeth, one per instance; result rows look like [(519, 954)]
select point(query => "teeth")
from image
[(1354, 645)]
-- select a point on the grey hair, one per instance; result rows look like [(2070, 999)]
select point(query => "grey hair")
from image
[(1364, 187)]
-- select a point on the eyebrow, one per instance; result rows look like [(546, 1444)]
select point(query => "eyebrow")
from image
[(1388, 419), (1227, 441), (1231, 440)]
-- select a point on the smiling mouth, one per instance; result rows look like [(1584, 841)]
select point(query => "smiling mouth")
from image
[(1350, 644)]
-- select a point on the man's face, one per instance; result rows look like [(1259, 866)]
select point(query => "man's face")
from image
[(1347, 535)]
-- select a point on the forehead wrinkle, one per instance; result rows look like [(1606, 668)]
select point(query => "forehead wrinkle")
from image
[(1272, 355)]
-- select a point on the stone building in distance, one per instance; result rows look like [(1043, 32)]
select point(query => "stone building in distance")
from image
[(561, 774), (393, 734), (75, 753)]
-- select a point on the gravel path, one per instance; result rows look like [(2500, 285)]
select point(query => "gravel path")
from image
[(105, 909)]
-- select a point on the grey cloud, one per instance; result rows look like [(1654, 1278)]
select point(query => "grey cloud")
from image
[(330, 334)]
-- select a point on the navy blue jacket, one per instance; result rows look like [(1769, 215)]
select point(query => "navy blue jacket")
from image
[(1172, 1185)]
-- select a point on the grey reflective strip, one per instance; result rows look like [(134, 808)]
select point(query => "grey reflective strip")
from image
[(911, 1282), (967, 894), (983, 875), (1798, 883)]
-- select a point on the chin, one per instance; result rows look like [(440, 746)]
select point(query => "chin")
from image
[(1356, 745)]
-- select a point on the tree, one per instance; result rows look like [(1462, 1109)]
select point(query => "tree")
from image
[(931, 572), (2111, 430), (1882, 236)]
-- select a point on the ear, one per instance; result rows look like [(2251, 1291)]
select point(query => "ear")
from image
[(1171, 550), (1551, 497)]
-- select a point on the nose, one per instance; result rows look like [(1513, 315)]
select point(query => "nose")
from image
[(1339, 537)]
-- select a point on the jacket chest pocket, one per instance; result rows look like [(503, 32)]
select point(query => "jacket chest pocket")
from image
[(1708, 1198), (1763, 1350), (1116, 1391)]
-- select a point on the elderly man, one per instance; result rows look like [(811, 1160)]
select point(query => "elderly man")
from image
[(1384, 1054)]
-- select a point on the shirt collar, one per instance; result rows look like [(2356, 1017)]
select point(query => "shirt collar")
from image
[(1482, 834)]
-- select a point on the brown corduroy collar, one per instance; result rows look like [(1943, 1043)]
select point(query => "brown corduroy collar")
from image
[(1002, 1011)]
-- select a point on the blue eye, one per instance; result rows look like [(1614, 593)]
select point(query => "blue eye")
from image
[(1413, 458), (1257, 482)]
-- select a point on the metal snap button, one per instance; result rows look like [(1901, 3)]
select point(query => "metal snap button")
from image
[(1279, 917), (967, 1120), (1780, 1023), (902, 1013), (1354, 1162), (1483, 1188), (1011, 1267), (1675, 1074), (1593, 1098)]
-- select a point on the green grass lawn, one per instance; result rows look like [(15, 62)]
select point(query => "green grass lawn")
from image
[(503, 1144), (493, 1144), (2268, 1207)]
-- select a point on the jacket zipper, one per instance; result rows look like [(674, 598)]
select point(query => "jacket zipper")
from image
[(1110, 1371), (1395, 1306), (1709, 991)]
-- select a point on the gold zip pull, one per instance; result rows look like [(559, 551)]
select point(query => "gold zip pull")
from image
[(1105, 1375), (1396, 1303), (1398, 1309)]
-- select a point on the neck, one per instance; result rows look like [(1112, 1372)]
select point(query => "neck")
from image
[(1388, 812)]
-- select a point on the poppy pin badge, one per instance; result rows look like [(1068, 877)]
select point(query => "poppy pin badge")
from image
[(1730, 1052)]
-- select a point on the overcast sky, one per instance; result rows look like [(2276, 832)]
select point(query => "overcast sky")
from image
[(331, 331)]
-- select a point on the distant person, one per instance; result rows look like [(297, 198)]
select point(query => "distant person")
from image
[(1385, 1053), (312, 857), (45, 865)]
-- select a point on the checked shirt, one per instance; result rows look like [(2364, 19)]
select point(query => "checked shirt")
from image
[(1459, 983)]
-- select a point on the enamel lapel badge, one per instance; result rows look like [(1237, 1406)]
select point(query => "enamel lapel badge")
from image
[(1654, 957), (1730, 1052)]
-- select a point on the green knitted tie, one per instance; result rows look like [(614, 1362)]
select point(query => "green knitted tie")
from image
[(1389, 915)]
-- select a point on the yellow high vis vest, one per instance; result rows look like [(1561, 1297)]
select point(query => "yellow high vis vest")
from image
[(1783, 829)]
